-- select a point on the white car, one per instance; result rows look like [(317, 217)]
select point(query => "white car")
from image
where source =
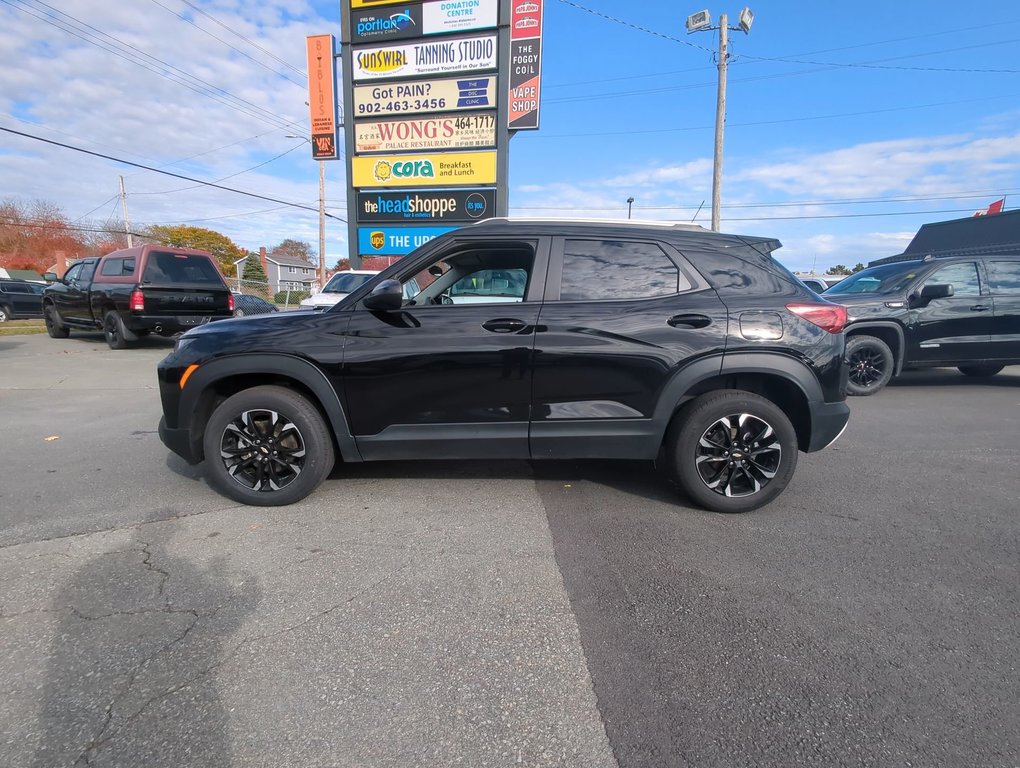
[(338, 286)]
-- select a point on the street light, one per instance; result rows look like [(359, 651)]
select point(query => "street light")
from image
[(322, 215), (698, 22), (630, 202)]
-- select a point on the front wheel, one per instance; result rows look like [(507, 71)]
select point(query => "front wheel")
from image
[(5, 314), (980, 371), (733, 451), (871, 365), (267, 446), (54, 327)]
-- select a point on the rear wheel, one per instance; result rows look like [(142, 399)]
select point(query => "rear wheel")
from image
[(980, 371), (114, 330), (733, 451), (267, 446), (871, 365), (5, 313), (54, 327)]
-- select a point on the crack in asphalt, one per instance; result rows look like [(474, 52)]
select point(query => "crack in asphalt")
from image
[(93, 747)]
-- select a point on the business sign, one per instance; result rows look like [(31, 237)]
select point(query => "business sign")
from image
[(425, 57), (395, 241), (454, 94), (373, 3), (425, 170), (322, 96), (475, 131), (407, 21), (525, 76), (459, 15), (427, 206)]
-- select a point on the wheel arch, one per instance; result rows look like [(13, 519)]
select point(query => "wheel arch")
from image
[(888, 332), (213, 382), (785, 381)]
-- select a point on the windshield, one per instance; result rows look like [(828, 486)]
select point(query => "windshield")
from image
[(888, 278), (345, 282)]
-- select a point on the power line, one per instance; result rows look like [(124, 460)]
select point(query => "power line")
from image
[(647, 31), (167, 173), (30, 224), (184, 78), (231, 47), (773, 218), (224, 178)]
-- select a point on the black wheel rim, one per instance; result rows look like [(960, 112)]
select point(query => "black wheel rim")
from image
[(867, 366), (738, 455), (262, 450)]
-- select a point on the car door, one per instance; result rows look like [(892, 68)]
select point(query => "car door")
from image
[(66, 294), (1004, 284), (956, 329), (445, 376), (622, 315)]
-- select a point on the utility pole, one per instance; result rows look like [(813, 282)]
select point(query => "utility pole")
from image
[(697, 22), (123, 203), (720, 123), (322, 225)]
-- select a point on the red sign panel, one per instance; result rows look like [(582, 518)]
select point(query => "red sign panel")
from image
[(525, 77), (322, 96)]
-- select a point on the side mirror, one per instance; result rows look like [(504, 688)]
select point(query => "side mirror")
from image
[(930, 293), (51, 277), (388, 295)]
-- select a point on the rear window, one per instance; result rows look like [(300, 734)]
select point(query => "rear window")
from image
[(181, 268), (118, 267), (346, 282)]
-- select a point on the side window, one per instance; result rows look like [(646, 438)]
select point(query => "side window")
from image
[(73, 273), (596, 270), (87, 270), (963, 277), (112, 267), (1004, 277), (15, 288), (474, 274)]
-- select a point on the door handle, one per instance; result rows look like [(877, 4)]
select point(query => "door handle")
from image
[(504, 325), (689, 321), (980, 308)]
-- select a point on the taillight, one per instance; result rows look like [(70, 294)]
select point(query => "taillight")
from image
[(831, 317), (230, 302), (137, 301)]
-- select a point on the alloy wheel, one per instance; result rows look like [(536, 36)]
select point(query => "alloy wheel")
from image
[(738, 455), (867, 366), (262, 450)]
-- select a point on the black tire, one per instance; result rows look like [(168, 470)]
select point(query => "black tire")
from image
[(732, 451), (266, 436), (5, 313), (54, 327), (114, 330), (980, 371), (871, 365)]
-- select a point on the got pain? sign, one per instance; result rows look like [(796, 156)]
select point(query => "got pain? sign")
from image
[(424, 170), (395, 241)]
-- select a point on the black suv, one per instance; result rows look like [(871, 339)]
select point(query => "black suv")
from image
[(20, 299), (526, 340), (960, 311)]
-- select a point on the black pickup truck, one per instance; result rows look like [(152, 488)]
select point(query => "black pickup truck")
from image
[(137, 291)]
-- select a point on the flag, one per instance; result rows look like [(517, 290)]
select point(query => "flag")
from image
[(992, 209)]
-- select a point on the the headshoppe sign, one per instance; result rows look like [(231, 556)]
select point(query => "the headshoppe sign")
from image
[(433, 90)]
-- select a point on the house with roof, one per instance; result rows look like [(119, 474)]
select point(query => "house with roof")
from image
[(284, 272)]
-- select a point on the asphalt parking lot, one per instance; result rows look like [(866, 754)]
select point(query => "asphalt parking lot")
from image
[(503, 613)]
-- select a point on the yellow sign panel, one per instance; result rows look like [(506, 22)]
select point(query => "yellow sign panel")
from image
[(428, 170), (373, 3)]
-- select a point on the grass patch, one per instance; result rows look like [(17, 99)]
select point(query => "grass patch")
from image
[(22, 327)]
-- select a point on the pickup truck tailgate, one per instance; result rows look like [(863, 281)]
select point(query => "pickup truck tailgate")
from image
[(194, 299)]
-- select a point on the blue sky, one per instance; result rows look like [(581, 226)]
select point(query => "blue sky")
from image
[(846, 129)]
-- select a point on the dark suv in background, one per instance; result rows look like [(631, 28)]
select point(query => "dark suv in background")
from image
[(959, 311), (20, 299), (526, 340)]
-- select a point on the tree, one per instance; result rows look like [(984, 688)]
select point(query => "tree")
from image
[(858, 267), (253, 272), (220, 246), (295, 249), (342, 265), (31, 235), (839, 269)]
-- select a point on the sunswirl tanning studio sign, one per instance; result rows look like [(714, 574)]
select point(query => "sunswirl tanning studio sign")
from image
[(424, 170), (425, 57)]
